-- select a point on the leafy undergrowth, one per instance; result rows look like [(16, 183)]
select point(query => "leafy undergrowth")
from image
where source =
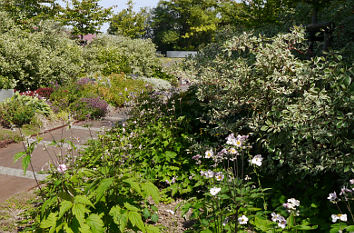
[(12, 212)]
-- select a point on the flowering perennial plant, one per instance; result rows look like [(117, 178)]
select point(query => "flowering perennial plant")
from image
[(344, 203)]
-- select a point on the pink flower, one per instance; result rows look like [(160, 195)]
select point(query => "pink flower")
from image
[(62, 168)]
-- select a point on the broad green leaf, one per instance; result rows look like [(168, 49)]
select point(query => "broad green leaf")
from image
[(170, 154), (154, 218), (146, 213), (18, 156), (79, 210), (152, 229), (83, 200), (84, 228), (134, 185), (67, 228), (119, 217), (25, 162), (136, 220), (64, 207), (263, 224), (48, 203), (350, 228), (305, 228), (130, 207), (50, 221), (102, 187), (151, 190), (96, 224)]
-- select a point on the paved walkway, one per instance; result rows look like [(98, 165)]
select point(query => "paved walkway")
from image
[(12, 178)]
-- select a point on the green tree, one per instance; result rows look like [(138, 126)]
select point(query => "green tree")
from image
[(129, 23), (184, 24), (85, 16), (25, 12)]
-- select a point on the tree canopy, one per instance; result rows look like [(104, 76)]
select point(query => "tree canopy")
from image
[(85, 16), (129, 23), (184, 24), (30, 11)]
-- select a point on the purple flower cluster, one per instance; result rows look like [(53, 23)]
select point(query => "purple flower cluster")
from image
[(96, 104), (85, 81)]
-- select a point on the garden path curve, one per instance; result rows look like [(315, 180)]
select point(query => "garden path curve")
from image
[(12, 178)]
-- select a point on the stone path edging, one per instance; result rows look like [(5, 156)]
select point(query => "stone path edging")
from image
[(19, 173)]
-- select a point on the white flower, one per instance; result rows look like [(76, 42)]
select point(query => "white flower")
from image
[(351, 181), (344, 190), (291, 204), (209, 174), (342, 217), (214, 191), (62, 168), (257, 160), (219, 176), (209, 154), (247, 178), (231, 140), (233, 151), (275, 217), (294, 202), (334, 217), (279, 219), (282, 223), (332, 196), (242, 220)]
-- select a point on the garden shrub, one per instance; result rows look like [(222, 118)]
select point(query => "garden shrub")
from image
[(37, 58), (92, 108), (6, 83), (80, 98), (119, 90), (21, 109), (299, 109), (116, 54)]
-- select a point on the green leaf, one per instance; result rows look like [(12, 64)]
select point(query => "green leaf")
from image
[(305, 227), (50, 221), (146, 213), (170, 154), (347, 81), (151, 190), (64, 207), (350, 228), (130, 207), (79, 211), (67, 228), (83, 200), (18, 156), (102, 188), (263, 224), (133, 184), (119, 217), (152, 229), (136, 220), (335, 228), (95, 222), (25, 162), (155, 218), (84, 228)]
